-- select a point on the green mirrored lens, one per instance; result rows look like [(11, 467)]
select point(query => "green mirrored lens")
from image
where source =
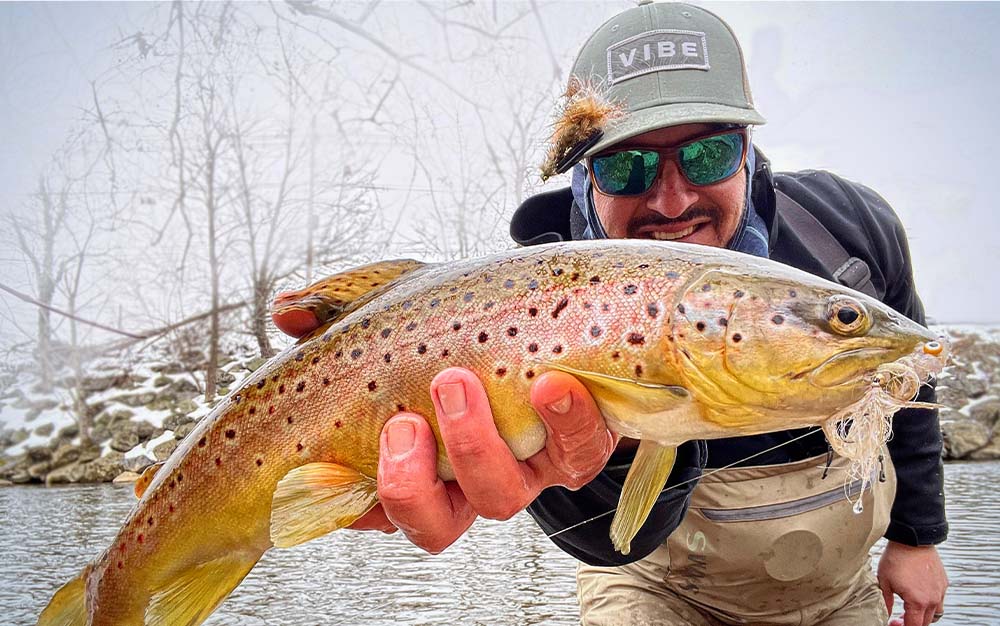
[(629, 172), (712, 159)]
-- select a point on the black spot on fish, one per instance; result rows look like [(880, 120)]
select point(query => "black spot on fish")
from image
[(483, 337), (468, 297), (738, 293), (422, 348), (557, 272), (453, 290), (489, 305), (456, 326), (595, 331), (559, 307), (487, 279), (643, 266), (274, 378), (532, 347), (327, 336), (630, 289), (372, 386), (315, 360), (386, 357), (533, 312), (723, 322), (595, 279), (737, 338), (512, 331), (508, 284), (411, 326), (237, 398), (407, 305), (574, 276), (355, 353), (778, 319), (252, 410), (588, 305), (501, 371), (435, 302), (326, 382), (791, 293), (230, 434), (445, 353), (338, 354), (556, 349), (202, 442), (700, 326), (605, 307), (652, 310), (400, 407), (672, 275), (261, 383), (386, 332), (298, 447), (638, 371), (706, 287), (180, 478), (533, 284), (338, 423), (529, 374), (636, 339), (289, 419), (365, 323), (259, 462), (300, 387), (281, 389), (300, 356)]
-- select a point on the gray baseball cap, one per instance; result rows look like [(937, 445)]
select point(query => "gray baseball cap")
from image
[(666, 64)]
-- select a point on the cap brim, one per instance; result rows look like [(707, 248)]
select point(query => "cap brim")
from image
[(653, 118)]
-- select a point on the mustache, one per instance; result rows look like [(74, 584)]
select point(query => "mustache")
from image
[(655, 219)]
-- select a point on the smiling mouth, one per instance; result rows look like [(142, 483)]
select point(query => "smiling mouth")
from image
[(659, 235)]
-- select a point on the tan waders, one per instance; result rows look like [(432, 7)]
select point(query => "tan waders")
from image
[(760, 545)]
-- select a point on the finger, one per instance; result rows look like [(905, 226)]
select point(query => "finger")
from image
[(578, 443), (414, 499), (375, 519), (886, 594), (913, 615), (493, 481)]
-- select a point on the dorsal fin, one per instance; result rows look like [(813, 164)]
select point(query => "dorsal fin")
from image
[(297, 313), (145, 478)]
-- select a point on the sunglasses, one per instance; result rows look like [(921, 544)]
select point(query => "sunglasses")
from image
[(705, 160)]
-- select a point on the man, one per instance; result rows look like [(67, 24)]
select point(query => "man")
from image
[(762, 542)]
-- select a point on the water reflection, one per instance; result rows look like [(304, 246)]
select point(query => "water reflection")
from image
[(499, 574)]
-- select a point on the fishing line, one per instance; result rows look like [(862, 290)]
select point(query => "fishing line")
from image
[(691, 480)]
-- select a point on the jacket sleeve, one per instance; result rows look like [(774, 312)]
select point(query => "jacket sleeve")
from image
[(918, 513), (579, 522)]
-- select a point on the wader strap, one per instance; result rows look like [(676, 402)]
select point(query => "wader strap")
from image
[(848, 270)]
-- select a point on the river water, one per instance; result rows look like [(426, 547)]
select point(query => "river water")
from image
[(499, 574)]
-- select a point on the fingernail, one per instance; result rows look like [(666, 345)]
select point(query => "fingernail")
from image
[(562, 405), (399, 437), (451, 397)]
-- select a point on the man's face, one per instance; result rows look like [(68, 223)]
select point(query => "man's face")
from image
[(674, 209)]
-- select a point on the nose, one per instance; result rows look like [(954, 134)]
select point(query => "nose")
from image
[(671, 194)]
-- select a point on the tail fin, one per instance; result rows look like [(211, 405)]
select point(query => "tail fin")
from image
[(68, 607)]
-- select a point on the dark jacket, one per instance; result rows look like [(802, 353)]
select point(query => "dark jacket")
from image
[(867, 228)]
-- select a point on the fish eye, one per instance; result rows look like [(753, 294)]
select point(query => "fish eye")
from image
[(848, 316)]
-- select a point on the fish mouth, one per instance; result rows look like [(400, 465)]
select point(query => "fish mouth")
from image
[(829, 373)]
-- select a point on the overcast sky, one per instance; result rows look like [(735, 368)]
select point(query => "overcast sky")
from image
[(901, 97)]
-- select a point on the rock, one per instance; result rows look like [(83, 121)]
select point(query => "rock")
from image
[(989, 452), (163, 402), (65, 454), (124, 440), (20, 477), (986, 412), (224, 378), (94, 384), (254, 364), (184, 386), (69, 431), (962, 437), (146, 431), (186, 406), (18, 436), (45, 430), (164, 450), (125, 479), (162, 381), (137, 463), (136, 399), (89, 451), (62, 475), (39, 470), (5, 483), (101, 470), (172, 422), (184, 430), (38, 454)]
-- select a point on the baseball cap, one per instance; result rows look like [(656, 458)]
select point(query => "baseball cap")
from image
[(663, 64)]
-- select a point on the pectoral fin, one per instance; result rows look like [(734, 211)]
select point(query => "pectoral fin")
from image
[(318, 498), (298, 313), (142, 483), (193, 594), (68, 606), (626, 401), (643, 484)]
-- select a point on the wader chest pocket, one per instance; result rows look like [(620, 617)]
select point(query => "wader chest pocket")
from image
[(783, 509)]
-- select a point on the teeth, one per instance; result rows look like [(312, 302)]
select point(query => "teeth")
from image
[(662, 236)]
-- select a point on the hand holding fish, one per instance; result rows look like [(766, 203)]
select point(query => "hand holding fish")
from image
[(490, 481)]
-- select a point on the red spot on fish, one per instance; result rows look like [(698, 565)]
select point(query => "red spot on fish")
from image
[(252, 410), (140, 538), (259, 462), (529, 374), (299, 387), (171, 507), (636, 339), (372, 386), (281, 389), (149, 521), (120, 565), (270, 409), (338, 423), (298, 447), (289, 419), (501, 371), (638, 370), (218, 462)]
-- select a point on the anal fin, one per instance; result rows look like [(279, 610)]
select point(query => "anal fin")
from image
[(316, 499), (194, 594), (645, 480)]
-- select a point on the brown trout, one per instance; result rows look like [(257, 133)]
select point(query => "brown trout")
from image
[(675, 342)]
